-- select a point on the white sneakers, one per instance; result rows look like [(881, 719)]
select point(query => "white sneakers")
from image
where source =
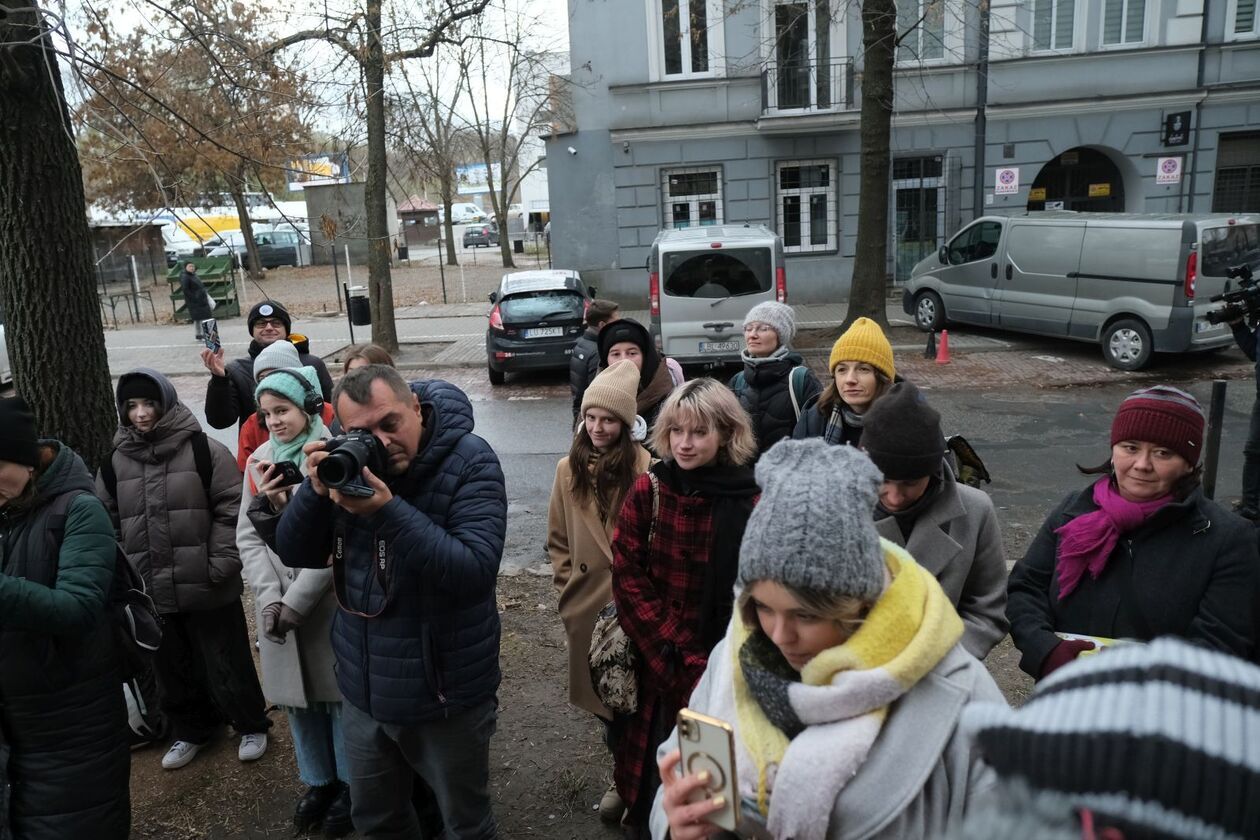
[(180, 753), (252, 747)]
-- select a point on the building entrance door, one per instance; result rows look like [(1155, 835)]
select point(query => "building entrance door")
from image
[(918, 186), (1079, 179)]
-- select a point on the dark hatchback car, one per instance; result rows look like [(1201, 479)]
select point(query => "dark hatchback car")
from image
[(483, 233), (536, 319)]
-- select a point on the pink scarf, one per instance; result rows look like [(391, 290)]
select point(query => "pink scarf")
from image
[(1088, 540)]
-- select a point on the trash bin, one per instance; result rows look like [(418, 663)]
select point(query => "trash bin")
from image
[(402, 252), (518, 246), (360, 307)]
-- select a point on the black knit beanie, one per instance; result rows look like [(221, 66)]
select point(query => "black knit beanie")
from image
[(902, 434), (138, 387), (19, 442), (628, 329), (269, 309)]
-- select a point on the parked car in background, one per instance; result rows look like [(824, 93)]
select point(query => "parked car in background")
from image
[(6, 373), (701, 283), (1134, 283), (225, 243), (275, 247), (464, 211), (535, 320), (481, 235)]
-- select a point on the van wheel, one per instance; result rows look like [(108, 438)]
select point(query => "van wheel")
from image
[(929, 312), (1126, 344), (497, 377)]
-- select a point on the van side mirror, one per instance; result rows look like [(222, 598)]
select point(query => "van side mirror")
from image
[(494, 296), (943, 255)]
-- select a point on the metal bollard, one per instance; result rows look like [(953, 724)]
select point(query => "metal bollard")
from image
[(1212, 445)]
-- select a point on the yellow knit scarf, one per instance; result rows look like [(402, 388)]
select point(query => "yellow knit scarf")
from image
[(910, 629)]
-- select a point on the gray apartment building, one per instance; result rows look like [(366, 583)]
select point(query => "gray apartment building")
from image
[(695, 112)]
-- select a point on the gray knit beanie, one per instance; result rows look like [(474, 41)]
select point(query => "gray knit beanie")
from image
[(812, 528), (278, 354), (779, 316)]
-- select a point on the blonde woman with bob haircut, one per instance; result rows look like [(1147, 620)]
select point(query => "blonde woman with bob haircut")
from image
[(675, 557)]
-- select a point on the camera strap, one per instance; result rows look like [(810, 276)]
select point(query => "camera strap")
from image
[(380, 562)]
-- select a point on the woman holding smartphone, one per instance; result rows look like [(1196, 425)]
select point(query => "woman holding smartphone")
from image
[(591, 483), (295, 607), (675, 555), (841, 674)]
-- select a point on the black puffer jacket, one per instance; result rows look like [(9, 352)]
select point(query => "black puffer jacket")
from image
[(765, 394), (230, 398), (1191, 570), (196, 299), (61, 705), (583, 366), (433, 649)]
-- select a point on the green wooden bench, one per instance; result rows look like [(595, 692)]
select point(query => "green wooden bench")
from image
[(218, 274)]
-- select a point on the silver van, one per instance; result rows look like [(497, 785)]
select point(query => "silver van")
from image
[(701, 283), (1134, 283)]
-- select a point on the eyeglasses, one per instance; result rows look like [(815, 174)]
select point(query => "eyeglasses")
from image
[(269, 322), (757, 328)]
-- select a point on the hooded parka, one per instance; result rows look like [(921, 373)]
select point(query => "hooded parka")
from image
[(62, 716), (181, 541)]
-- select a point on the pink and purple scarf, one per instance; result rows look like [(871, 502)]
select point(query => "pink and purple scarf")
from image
[(1088, 540)]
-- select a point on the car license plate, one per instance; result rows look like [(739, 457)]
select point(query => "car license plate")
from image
[(543, 332), (719, 347)]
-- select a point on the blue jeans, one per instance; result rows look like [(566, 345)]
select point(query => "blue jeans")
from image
[(321, 754)]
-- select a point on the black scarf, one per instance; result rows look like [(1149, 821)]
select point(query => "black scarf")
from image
[(906, 518), (733, 490)]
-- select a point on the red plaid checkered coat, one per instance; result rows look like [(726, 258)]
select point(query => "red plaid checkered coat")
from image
[(658, 589)]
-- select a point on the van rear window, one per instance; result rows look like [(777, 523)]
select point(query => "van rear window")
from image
[(1223, 247), (728, 272)]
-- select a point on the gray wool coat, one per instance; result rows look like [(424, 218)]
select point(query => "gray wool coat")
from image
[(922, 774), (183, 543), (957, 539), (300, 671)]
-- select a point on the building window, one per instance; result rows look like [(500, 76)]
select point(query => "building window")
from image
[(1237, 175), (689, 35), (692, 197), (808, 210), (921, 26), (1124, 22), (1244, 17), (1053, 22)]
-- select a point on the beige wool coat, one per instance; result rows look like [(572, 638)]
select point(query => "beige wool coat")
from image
[(580, 549), (300, 671)]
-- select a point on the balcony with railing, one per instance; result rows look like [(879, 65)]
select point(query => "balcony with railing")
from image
[(797, 88)]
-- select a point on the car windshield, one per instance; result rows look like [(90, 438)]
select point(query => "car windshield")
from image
[(1224, 247), (551, 304), (717, 273)]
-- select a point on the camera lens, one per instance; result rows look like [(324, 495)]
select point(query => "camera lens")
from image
[(343, 465)]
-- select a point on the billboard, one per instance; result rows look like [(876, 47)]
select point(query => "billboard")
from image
[(471, 179), (310, 170)]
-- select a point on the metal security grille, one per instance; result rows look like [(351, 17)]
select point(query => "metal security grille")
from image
[(692, 196), (1237, 188), (808, 217)]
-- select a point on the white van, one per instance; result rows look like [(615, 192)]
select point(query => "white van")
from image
[(701, 283), (1135, 283)]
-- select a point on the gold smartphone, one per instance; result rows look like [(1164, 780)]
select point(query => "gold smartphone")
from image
[(708, 744)]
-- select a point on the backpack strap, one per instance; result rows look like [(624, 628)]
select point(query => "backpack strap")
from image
[(796, 387), (656, 505), (55, 532), (204, 462), (739, 385)]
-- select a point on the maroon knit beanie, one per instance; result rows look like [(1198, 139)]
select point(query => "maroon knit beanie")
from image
[(1164, 415)]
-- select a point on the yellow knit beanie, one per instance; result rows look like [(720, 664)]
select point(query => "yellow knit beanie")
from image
[(614, 391), (865, 342)]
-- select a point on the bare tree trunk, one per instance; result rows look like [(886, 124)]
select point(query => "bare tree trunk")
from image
[(247, 230), (870, 261), (47, 278), (380, 285), (448, 226), (505, 236)]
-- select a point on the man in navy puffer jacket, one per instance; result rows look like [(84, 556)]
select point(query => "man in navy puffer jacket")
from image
[(414, 567)]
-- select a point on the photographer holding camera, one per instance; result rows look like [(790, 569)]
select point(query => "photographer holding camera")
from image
[(411, 506), (1236, 313)]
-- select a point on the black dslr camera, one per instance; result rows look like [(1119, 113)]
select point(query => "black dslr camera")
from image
[(1242, 302), (348, 454)]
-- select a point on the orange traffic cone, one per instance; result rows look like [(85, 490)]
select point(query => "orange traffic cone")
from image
[(942, 352)]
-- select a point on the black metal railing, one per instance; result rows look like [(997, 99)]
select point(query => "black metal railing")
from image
[(818, 86)]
